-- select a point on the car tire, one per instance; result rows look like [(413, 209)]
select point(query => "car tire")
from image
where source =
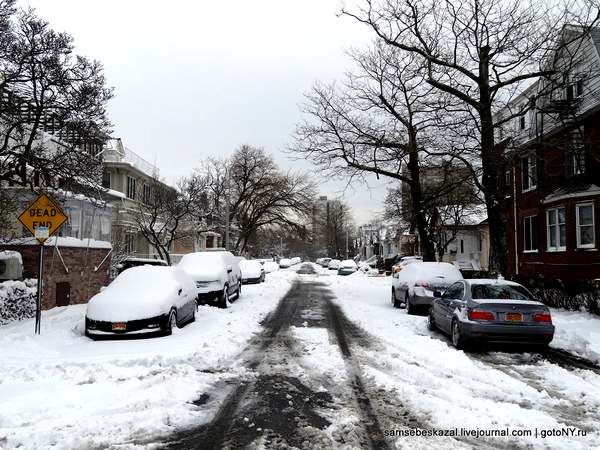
[(224, 298), (171, 322), (193, 319), (410, 308), (239, 290), (431, 321), (457, 338), (395, 302)]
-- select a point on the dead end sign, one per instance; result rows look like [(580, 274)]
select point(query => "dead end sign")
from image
[(43, 212)]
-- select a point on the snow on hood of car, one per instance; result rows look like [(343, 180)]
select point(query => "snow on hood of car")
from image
[(348, 263), (140, 293), (250, 268)]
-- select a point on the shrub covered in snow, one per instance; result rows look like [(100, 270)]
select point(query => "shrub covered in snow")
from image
[(17, 300), (571, 295)]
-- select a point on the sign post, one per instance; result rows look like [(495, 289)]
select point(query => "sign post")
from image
[(42, 218)]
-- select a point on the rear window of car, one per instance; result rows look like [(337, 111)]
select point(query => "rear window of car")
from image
[(499, 292)]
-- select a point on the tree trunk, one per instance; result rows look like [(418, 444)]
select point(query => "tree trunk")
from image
[(416, 195), (491, 162)]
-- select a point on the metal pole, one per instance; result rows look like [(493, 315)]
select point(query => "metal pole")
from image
[(226, 210), (38, 311), (346, 243)]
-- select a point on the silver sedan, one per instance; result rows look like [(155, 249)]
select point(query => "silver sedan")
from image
[(489, 310)]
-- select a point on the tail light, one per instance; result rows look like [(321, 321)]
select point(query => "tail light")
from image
[(481, 315), (397, 269), (423, 284), (542, 317)]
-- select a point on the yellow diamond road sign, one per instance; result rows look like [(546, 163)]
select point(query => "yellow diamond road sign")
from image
[(43, 213)]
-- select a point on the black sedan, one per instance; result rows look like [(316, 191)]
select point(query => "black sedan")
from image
[(493, 311)]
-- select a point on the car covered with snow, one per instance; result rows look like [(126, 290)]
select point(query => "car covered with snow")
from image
[(324, 262), (413, 287), (334, 264), (270, 266), (491, 310), (217, 276), (146, 299), (284, 263), (130, 262), (252, 271), (347, 267), (296, 260), (405, 261)]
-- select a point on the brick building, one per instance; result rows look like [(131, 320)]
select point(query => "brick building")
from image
[(552, 182), (74, 269)]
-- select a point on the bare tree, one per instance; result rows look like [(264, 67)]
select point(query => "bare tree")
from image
[(481, 52), (382, 120), (259, 194), (52, 106), (164, 214)]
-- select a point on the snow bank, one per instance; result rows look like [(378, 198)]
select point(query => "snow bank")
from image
[(61, 390), (17, 300), (577, 332)]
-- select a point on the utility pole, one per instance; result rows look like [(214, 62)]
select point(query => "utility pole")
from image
[(226, 208), (347, 243)]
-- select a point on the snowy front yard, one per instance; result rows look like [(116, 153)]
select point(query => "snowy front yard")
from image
[(450, 388), (61, 390)]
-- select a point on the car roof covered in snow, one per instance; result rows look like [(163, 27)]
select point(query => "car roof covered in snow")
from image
[(477, 281)]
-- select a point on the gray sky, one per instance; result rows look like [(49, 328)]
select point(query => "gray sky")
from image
[(200, 78)]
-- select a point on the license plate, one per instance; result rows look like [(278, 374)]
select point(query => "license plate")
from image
[(514, 317), (119, 326)]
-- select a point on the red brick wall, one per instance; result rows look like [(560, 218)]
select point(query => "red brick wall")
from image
[(83, 280)]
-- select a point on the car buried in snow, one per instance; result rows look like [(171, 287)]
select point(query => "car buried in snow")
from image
[(142, 300), (252, 271), (284, 263), (347, 267), (490, 311), (217, 276), (413, 288), (334, 264)]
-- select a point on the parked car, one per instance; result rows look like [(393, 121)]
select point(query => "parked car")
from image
[(325, 262), (334, 264), (405, 261), (347, 267), (270, 266), (296, 260), (217, 276), (487, 310), (414, 286), (128, 263), (252, 271), (284, 263), (147, 299)]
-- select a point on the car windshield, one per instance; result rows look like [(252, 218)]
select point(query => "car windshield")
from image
[(499, 292)]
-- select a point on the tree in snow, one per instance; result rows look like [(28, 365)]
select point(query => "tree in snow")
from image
[(257, 194), (480, 52), (165, 214), (52, 106), (384, 120)]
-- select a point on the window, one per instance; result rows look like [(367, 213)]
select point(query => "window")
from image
[(530, 241), (455, 292), (529, 172), (579, 87), (576, 153), (146, 193), (585, 226), (557, 233), (129, 244), (499, 292), (462, 246), (522, 123), (131, 188), (106, 179)]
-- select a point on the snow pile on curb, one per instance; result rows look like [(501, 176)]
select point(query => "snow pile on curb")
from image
[(577, 332), (17, 300)]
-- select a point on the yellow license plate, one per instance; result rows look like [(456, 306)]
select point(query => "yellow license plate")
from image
[(514, 317), (119, 326)]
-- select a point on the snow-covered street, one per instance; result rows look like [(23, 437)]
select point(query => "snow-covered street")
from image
[(308, 359)]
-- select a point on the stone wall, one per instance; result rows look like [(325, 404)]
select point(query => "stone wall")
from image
[(80, 274)]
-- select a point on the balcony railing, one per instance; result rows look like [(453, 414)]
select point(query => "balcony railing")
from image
[(116, 152)]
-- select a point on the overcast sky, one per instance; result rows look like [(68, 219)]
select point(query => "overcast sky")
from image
[(199, 78)]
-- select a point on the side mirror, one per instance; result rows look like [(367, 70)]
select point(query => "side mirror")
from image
[(179, 291), (229, 270), (437, 294)]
